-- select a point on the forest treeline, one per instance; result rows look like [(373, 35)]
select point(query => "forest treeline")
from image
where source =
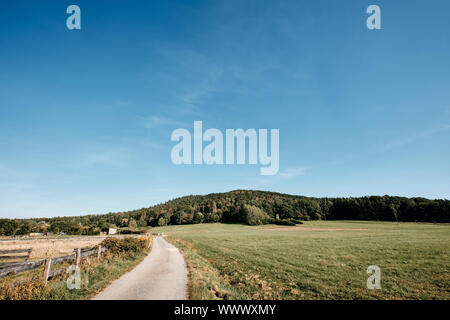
[(241, 206)]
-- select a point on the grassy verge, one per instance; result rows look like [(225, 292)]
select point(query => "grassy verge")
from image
[(205, 282), (317, 260), (95, 276)]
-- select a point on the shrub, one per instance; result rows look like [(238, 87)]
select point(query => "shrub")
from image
[(162, 222), (125, 245), (254, 216), (198, 217), (23, 290), (129, 231), (285, 222)]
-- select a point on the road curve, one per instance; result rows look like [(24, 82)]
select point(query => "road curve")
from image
[(161, 275)]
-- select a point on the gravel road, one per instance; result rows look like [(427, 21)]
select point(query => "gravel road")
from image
[(161, 275)]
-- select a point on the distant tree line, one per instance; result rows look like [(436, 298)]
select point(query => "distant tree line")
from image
[(241, 206)]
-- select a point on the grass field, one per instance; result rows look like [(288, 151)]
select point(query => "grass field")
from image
[(316, 260)]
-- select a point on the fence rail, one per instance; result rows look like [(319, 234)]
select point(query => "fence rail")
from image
[(12, 255), (15, 251)]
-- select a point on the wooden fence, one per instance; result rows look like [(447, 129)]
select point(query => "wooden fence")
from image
[(6, 254), (16, 267)]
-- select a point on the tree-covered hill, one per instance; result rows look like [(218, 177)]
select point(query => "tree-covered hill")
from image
[(243, 206)]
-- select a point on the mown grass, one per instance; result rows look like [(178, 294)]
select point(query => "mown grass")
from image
[(95, 276), (316, 260)]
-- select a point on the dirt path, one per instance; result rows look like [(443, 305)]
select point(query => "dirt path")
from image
[(161, 275)]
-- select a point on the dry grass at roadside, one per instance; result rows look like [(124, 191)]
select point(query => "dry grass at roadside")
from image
[(205, 282)]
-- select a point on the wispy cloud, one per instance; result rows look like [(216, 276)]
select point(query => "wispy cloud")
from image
[(414, 137), (387, 146), (197, 95), (290, 173), (160, 121), (279, 179), (199, 77), (101, 155), (106, 159)]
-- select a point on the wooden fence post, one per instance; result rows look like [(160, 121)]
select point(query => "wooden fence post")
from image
[(78, 257), (99, 251), (48, 263), (29, 254)]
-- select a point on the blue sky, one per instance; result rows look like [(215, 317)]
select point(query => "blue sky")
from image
[(86, 115)]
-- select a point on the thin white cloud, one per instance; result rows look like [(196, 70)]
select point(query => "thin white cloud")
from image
[(388, 146), (111, 157), (282, 177), (420, 135), (159, 121), (290, 173), (91, 154), (197, 95), (107, 159)]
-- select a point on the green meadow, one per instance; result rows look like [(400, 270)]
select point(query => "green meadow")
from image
[(315, 260)]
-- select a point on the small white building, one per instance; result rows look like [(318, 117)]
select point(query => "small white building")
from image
[(112, 231)]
